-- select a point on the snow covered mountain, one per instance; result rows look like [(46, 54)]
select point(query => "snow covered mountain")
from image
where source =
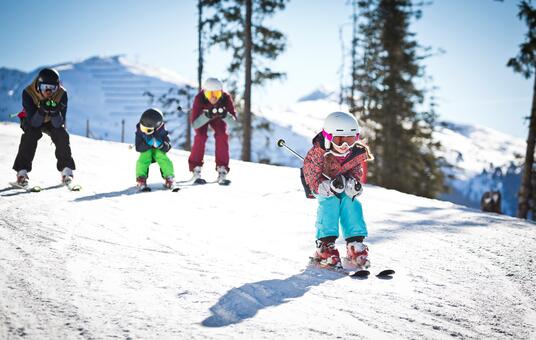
[(103, 90), (107, 90), (212, 262)]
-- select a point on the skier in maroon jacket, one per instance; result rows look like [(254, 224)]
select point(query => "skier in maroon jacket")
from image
[(212, 107)]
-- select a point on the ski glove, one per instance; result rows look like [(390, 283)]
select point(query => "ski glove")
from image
[(332, 187), (353, 188), (208, 113)]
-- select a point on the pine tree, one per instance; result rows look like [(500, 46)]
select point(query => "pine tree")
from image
[(525, 63), (386, 78), (237, 25)]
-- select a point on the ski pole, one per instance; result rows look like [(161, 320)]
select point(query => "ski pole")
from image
[(281, 143)]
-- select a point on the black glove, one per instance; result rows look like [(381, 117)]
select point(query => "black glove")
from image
[(49, 107), (208, 113), (338, 184), (223, 114)]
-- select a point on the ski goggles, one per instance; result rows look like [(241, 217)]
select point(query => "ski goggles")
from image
[(341, 140), (47, 87), (146, 130), (213, 93)]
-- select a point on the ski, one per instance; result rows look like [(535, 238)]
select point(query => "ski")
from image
[(73, 187), (385, 273), (354, 272), (173, 188), (144, 189), (27, 188)]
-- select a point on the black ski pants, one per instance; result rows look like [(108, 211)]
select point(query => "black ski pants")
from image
[(28, 145)]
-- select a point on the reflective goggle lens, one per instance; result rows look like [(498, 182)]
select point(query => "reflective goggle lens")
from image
[(340, 140), (146, 130), (47, 87), (215, 93)]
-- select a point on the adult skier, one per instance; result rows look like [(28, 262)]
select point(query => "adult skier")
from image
[(44, 104), (152, 142), (212, 107), (332, 169)]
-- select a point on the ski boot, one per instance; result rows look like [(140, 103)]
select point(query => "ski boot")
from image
[(22, 178), (326, 254), (67, 176), (357, 254), (222, 174), (196, 176), (169, 182), (141, 184)]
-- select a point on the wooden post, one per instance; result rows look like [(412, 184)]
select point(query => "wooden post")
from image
[(122, 131), (87, 128)]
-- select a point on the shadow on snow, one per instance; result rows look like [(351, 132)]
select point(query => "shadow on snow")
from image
[(245, 301)]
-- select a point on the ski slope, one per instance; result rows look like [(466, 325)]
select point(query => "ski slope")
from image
[(213, 262)]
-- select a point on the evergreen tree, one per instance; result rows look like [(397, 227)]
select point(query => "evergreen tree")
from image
[(525, 63), (238, 25), (386, 78)]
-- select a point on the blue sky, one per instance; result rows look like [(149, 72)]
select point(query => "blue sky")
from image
[(474, 85)]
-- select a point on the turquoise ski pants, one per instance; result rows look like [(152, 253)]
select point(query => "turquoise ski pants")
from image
[(332, 209)]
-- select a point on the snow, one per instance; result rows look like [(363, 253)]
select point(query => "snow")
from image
[(213, 262), (105, 90)]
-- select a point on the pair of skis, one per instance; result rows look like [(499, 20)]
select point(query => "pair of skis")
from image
[(178, 185), (354, 272), (36, 188)]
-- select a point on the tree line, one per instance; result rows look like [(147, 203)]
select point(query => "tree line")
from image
[(386, 91)]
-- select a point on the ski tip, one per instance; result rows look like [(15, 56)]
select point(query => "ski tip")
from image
[(360, 273), (225, 182), (386, 273)]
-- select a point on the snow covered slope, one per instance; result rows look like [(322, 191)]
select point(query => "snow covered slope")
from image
[(107, 90), (215, 262)]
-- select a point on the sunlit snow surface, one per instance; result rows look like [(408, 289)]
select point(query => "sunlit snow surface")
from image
[(212, 262)]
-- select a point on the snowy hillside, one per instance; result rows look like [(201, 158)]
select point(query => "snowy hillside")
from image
[(213, 262), (103, 90), (106, 90)]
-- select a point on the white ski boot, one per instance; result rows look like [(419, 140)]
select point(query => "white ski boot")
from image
[(67, 176), (22, 178), (222, 175), (196, 176)]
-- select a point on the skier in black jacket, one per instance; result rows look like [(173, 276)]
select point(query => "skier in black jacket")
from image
[(44, 104)]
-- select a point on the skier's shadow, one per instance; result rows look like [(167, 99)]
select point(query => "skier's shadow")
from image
[(244, 302), (111, 194)]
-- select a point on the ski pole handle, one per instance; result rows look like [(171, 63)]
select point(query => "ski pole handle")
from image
[(281, 143)]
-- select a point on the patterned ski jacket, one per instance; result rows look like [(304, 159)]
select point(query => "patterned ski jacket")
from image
[(318, 162)]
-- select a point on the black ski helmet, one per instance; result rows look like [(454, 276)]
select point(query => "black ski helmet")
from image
[(152, 118), (48, 76)]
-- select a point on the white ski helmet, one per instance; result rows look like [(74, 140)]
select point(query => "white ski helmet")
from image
[(212, 84), (339, 124)]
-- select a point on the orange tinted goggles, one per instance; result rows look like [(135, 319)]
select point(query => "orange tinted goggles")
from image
[(214, 93), (340, 140), (146, 130)]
